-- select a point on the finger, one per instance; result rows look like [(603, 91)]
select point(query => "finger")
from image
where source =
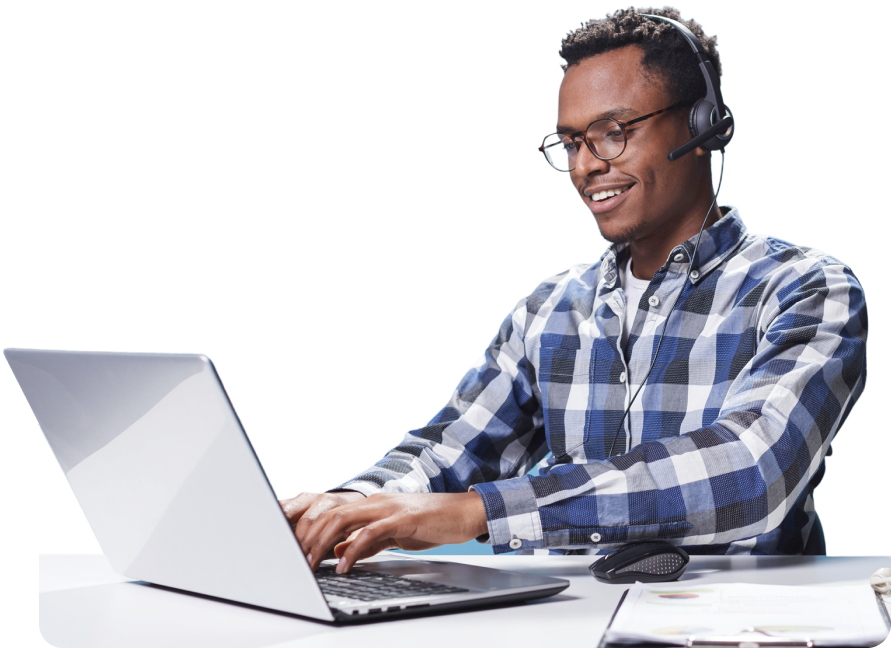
[(303, 530), (313, 533), (339, 524), (331, 528), (310, 525), (383, 545), (319, 535), (341, 547), (295, 507), (368, 541)]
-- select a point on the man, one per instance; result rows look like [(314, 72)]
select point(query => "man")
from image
[(761, 361)]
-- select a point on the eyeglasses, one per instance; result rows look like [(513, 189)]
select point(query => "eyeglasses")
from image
[(605, 138)]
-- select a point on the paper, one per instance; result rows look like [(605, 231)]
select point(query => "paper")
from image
[(670, 613)]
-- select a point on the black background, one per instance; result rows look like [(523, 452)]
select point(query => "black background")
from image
[(335, 229)]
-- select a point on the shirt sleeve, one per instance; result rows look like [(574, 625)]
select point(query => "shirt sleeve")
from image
[(732, 480), (491, 429)]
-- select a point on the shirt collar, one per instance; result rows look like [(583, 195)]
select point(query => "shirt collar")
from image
[(717, 244)]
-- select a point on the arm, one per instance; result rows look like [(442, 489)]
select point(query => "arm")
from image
[(734, 479), (490, 429), (417, 495)]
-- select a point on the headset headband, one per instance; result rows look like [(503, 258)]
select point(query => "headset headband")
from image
[(709, 119)]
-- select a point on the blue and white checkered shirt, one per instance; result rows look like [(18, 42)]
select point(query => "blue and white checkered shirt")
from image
[(763, 359)]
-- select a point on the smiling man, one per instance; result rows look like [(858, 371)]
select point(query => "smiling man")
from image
[(639, 196), (761, 361)]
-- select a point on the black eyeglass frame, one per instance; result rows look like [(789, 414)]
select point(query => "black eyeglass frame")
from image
[(581, 136)]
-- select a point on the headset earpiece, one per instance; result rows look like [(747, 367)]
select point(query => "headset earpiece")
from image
[(702, 117)]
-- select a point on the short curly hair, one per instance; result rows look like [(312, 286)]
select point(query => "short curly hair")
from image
[(666, 54)]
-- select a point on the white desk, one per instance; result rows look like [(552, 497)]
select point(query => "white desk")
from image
[(84, 604)]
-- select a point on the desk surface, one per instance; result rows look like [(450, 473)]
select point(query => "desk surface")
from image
[(84, 604)]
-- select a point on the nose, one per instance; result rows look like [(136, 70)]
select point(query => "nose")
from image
[(586, 163)]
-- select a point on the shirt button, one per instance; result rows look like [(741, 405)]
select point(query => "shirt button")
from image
[(595, 537), (654, 301), (516, 543), (622, 377), (694, 274), (678, 257)]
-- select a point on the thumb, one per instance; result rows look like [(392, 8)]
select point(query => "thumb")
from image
[(368, 551)]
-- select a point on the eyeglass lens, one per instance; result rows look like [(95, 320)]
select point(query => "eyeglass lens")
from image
[(606, 136)]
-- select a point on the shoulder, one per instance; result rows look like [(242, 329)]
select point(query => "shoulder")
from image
[(774, 258), (785, 274)]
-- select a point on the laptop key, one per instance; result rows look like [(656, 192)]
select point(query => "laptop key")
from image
[(370, 586)]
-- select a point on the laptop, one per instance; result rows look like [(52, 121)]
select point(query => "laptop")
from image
[(176, 496)]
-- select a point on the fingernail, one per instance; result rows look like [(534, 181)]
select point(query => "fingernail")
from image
[(309, 559), (341, 566)]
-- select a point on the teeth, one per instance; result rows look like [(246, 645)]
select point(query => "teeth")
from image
[(602, 195)]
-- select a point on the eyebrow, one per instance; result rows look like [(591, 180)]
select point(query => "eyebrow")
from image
[(612, 113)]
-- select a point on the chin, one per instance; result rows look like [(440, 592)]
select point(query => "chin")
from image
[(618, 234)]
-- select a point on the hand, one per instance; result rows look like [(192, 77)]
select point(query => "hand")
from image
[(303, 510), (410, 521)]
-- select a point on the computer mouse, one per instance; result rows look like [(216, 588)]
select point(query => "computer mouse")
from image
[(647, 562)]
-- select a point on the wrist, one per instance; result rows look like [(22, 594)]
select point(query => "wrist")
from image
[(476, 514)]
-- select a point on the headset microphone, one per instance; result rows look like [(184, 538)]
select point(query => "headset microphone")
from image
[(721, 127), (711, 135)]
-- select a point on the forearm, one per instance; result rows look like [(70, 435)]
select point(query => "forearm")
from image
[(735, 479), (490, 429)]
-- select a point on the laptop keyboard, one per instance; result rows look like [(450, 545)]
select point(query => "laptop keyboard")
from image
[(373, 586)]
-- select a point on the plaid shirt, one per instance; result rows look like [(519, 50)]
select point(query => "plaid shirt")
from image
[(762, 361)]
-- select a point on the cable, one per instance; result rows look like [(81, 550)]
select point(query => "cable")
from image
[(676, 300)]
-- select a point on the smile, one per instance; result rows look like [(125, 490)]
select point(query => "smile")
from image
[(609, 193), (607, 199)]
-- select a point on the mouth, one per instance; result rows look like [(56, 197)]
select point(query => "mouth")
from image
[(607, 198)]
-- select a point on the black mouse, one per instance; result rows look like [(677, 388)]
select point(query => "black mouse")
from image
[(647, 562)]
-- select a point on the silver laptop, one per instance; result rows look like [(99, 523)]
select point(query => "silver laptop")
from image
[(170, 485)]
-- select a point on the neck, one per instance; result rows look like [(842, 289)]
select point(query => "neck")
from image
[(649, 253)]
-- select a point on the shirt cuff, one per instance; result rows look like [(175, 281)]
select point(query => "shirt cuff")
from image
[(512, 515)]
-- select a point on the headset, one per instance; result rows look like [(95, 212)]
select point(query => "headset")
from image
[(709, 131)]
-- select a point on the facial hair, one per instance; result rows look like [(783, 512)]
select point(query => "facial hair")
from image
[(624, 236)]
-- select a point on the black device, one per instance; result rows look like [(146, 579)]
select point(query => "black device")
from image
[(645, 562), (710, 121), (711, 132)]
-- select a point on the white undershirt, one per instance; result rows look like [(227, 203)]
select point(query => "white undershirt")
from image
[(634, 289)]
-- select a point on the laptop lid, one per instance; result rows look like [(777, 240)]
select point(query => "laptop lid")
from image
[(166, 476), (170, 484)]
